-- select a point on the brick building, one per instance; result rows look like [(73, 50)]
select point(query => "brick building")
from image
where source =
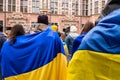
[(62, 12)]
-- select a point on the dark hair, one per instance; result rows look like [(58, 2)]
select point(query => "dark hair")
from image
[(43, 19), (110, 6), (87, 27), (96, 22), (66, 30), (16, 30), (1, 28), (8, 28), (59, 33)]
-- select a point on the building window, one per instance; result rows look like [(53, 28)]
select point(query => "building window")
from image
[(74, 7), (96, 7), (91, 8), (1, 22), (65, 7), (1, 5), (103, 4), (11, 5), (85, 8), (54, 6), (35, 6), (23, 6), (84, 1), (47, 4)]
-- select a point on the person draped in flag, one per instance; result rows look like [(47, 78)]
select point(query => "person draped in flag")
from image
[(16, 30), (77, 41), (2, 40), (69, 40), (37, 56), (98, 56)]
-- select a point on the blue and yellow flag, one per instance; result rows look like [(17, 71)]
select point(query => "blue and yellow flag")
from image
[(38, 56), (98, 56)]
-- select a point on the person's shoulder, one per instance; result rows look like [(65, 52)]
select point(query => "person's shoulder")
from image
[(51, 33), (68, 36), (80, 36), (7, 42), (2, 37)]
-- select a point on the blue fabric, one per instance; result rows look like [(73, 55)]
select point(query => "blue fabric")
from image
[(77, 41), (30, 52), (105, 37), (69, 43), (2, 40), (63, 42)]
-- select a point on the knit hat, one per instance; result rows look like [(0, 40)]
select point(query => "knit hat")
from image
[(73, 29), (43, 19)]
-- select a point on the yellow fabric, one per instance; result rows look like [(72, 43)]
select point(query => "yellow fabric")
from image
[(54, 27), (66, 50), (90, 65), (55, 70)]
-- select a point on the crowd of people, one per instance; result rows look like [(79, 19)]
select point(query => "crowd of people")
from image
[(47, 54), (13, 42), (36, 53)]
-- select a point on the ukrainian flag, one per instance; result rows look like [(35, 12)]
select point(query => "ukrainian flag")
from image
[(38, 56), (98, 56)]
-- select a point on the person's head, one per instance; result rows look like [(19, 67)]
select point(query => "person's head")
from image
[(73, 29), (16, 30), (66, 30), (1, 28), (63, 36), (110, 6), (87, 27), (43, 19)]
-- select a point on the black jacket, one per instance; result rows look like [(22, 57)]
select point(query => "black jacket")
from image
[(2, 40)]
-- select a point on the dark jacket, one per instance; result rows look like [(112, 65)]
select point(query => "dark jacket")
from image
[(2, 40)]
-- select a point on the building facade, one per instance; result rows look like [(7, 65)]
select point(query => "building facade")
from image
[(64, 13), (95, 7)]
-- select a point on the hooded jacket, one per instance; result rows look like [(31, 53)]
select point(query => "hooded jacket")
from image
[(71, 36)]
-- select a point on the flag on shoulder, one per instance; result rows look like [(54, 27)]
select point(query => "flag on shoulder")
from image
[(38, 56), (98, 56)]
